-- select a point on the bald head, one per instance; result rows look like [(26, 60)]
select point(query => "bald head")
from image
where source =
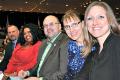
[(51, 18), (52, 26)]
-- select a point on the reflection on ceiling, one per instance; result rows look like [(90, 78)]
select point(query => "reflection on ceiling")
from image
[(52, 6)]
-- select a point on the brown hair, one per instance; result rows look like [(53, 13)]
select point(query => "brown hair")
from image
[(71, 14)]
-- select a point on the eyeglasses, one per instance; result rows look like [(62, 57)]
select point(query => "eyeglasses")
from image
[(73, 25), (50, 24)]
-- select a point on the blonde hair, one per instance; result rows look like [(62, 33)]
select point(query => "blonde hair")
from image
[(109, 13), (71, 14)]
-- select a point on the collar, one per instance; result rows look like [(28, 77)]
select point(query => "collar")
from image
[(53, 38), (14, 41)]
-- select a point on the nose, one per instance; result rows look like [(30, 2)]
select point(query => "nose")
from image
[(95, 22), (26, 34), (70, 28)]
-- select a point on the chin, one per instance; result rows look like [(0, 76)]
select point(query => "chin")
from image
[(97, 36), (73, 38)]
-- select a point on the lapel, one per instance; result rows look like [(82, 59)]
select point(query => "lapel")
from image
[(54, 44), (41, 50), (12, 45)]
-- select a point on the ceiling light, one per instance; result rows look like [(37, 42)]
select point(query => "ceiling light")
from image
[(117, 8), (75, 8), (40, 2), (66, 5), (10, 10), (26, 2), (85, 6)]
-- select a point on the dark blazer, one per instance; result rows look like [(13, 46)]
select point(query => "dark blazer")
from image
[(106, 64), (7, 56), (55, 64)]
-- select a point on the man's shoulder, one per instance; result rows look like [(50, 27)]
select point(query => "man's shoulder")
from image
[(9, 44), (63, 39), (63, 36)]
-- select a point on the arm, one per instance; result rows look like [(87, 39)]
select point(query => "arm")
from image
[(7, 56), (32, 72), (10, 66)]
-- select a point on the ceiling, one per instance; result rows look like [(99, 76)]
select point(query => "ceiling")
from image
[(52, 6)]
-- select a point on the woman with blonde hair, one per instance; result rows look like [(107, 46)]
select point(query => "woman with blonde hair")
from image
[(102, 25), (78, 47)]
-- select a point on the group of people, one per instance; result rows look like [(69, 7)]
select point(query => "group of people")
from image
[(87, 50)]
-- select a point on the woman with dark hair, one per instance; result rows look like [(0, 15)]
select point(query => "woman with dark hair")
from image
[(25, 54)]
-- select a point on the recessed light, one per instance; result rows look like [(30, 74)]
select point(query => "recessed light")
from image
[(40, 2), (117, 8), (66, 5), (26, 2), (75, 8), (85, 6), (10, 10)]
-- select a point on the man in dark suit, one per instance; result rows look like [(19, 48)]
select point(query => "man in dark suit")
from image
[(13, 33), (52, 62)]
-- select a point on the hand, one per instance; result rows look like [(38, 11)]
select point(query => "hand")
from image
[(22, 74), (11, 74), (32, 78)]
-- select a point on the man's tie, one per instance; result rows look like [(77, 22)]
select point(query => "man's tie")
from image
[(43, 57)]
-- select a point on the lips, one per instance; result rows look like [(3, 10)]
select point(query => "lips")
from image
[(96, 28), (28, 37)]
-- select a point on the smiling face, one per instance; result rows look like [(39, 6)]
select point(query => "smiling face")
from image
[(13, 32), (27, 35), (73, 28), (51, 26), (97, 22)]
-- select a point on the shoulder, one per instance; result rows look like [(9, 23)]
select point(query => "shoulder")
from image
[(115, 39), (37, 44), (10, 43), (63, 37)]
